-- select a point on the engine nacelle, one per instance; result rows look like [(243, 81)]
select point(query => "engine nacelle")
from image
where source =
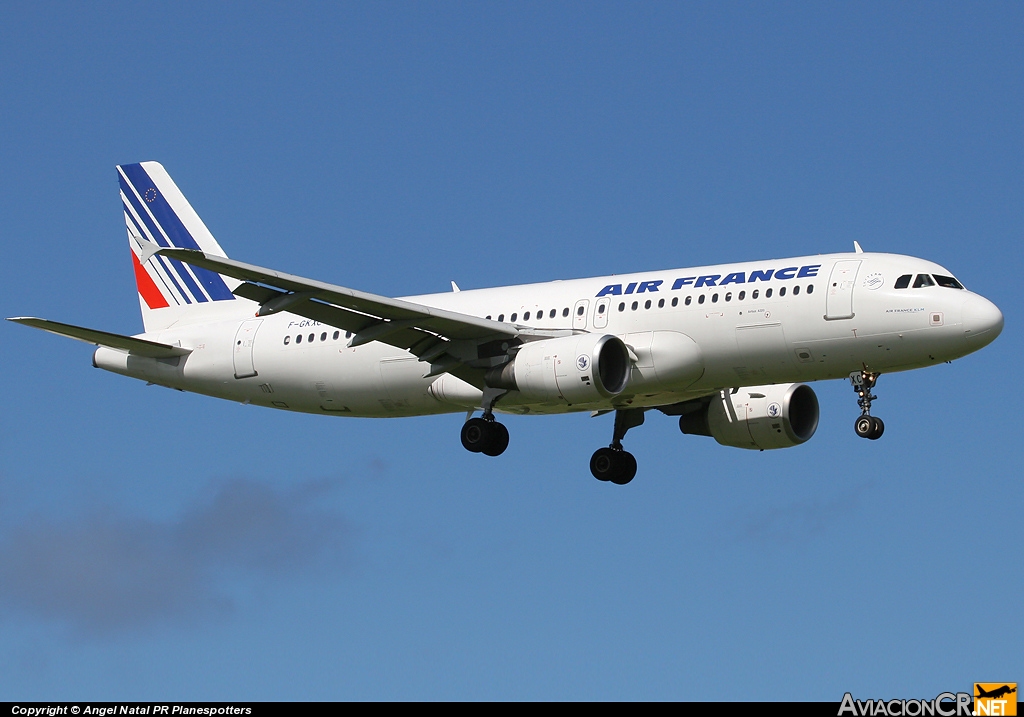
[(756, 417), (583, 368)]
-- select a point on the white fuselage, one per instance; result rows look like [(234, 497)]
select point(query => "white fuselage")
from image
[(691, 332)]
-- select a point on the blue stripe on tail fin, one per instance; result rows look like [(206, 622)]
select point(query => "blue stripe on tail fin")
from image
[(165, 214)]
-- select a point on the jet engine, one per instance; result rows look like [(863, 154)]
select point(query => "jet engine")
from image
[(583, 368), (755, 417)]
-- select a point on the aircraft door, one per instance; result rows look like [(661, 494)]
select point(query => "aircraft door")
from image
[(242, 354), (579, 314), (601, 313), (839, 297)]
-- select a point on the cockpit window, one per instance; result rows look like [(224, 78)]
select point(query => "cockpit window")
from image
[(904, 281), (923, 280), (948, 281)]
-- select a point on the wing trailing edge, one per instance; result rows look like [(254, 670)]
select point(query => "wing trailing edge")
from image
[(130, 344)]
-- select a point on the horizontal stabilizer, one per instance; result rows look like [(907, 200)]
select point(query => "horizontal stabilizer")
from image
[(138, 347)]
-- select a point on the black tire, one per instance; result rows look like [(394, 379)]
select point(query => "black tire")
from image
[(878, 430), (864, 426), (604, 464), (497, 439), (627, 469), (475, 435)]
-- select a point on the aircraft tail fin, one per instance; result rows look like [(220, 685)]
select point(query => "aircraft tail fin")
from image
[(155, 211)]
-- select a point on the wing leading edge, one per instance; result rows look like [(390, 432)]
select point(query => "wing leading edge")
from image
[(449, 341)]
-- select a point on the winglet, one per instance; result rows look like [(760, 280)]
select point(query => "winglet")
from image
[(856, 247), (146, 248)]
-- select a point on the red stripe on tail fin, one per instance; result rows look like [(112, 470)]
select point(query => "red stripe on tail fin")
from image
[(147, 287)]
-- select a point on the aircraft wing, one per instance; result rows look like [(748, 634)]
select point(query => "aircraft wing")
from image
[(139, 347), (451, 342)]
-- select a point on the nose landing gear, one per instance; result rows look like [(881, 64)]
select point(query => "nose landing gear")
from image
[(866, 425), (613, 463)]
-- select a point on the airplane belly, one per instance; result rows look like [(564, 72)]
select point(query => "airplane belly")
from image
[(407, 392), (762, 353), (666, 361)]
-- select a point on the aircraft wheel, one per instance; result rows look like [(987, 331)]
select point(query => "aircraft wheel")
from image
[(627, 469), (475, 434), (497, 439), (604, 463), (877, 430), (864, 426)]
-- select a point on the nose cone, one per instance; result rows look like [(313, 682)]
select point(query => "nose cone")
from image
[(983, 321)]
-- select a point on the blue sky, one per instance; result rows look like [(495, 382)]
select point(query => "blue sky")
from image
[(155, 544)]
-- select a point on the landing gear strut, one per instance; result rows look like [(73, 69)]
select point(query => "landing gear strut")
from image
[(613, 463), (866, 425), (485, 435)]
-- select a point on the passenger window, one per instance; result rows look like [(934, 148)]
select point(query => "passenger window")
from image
[(728, 296), (661, 303), (903, 282), (323, 336), (622, 306), (512, 317), (923, 280), (647, 304), (311, 337), (336, 335), (579, 311), (700, 299), (688, 299), (756, 292), (287, 340), (714, 299), (501, 317), (796, 290), (635, 304), (540, 313), (298, 339), (526, 316), (742, 296), (782, 291), (810, 288), (488, 317), (551, 314), (348, 334), (768, 294), (565, 312), (675, 301)]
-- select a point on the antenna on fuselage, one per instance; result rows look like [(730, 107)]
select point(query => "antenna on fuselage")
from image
[(856, 247)]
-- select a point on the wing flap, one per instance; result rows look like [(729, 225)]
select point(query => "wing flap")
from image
[(450, 324), (138, 347)]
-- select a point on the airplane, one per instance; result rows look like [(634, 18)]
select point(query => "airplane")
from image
[(727, 349), (996, 693)]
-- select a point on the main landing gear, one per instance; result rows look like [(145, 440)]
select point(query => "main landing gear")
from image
[(866, 425), (485, 435), (613, 463)]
